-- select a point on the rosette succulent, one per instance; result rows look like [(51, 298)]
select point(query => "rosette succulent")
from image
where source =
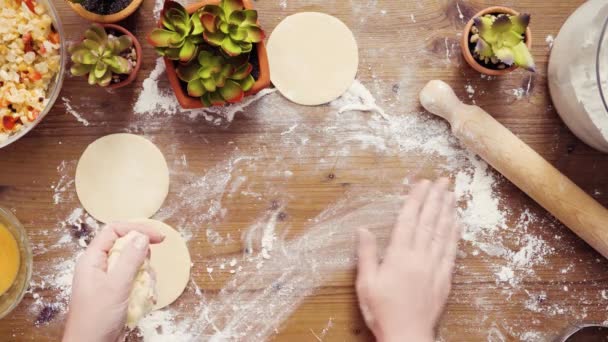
[(499, 40), (216, 79), (180, 35), (231, 27), (99, 56)]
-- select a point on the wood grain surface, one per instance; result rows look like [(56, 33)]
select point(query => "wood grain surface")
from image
[(403, 45)]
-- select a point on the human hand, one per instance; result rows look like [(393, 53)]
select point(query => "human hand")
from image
[(403, 297), (98, 307)]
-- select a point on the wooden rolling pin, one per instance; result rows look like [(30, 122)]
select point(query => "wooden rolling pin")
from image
[(519, 163)]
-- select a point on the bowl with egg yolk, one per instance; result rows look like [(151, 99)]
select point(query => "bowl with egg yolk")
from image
[(15, 262)]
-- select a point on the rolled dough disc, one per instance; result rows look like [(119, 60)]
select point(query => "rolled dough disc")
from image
[(313, 58), (171, 262), (122, 177)]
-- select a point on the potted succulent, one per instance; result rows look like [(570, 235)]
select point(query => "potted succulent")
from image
[(104, 11), (109, 56), (214, 51), (497, 41)]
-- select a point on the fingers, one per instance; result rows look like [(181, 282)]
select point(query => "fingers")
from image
[(443, 231), (123, 228), (431, 211), (405, 229), (130, 259), (448, 261), (368, 255)]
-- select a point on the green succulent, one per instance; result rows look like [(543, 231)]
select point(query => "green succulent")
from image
[(180, 35), (216, 79), (98, 55), (500, 39), (231, 27)]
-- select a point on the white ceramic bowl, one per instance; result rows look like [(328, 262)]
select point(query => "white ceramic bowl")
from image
[(55, 86)]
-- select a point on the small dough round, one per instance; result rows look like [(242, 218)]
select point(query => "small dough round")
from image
[(313, 58), (122, 177), (143, 293), (171, 263)]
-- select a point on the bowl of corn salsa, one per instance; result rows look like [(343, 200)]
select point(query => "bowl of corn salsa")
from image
[(32, 64)]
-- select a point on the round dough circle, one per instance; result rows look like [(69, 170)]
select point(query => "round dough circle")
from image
[(122, 177), (313, 58), (171, 262)]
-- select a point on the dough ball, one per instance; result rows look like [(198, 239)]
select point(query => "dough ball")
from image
[(143, 294), (313, 58), (122, 177), (171, 262)]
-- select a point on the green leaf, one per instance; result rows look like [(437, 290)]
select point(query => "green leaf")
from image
[(209, 22), (188, 72), (172, 53), (205, 100), (251, 17), (91, 45), (214, 39), (238, 34), (92, 79), (231, 48), (483, 49), (97, 33), (242, 72), (237, 18), (84, 56), (523, 57), (484, 24), (195, 88), (100, 69), (187, 52), (80, 69), (209, 84), (230, 6), (232, 92), (163, 38), (120, 44), (255, 34), (246, 47), (247, 83), (224, 27), (505, 55), (205, 58), (214, 10), (501, 24), (118, 65), (197, 25), (105, 80), (520, 23), (511, 38), (216, 99)]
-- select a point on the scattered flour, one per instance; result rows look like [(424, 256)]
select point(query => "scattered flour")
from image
[(71, 110), (549, 40)]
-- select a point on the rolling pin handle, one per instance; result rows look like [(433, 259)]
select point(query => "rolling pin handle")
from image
[(439, 98)]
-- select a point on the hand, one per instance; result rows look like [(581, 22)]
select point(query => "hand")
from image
[(98, 307), (403, 297)]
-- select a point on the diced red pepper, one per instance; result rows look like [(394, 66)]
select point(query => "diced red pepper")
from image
[(31, 4), (42, 49), (35, 76), (27, 42), (8, 122), (54, 37)]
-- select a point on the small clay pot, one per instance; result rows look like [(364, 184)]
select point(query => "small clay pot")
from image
[(138, 51), (466, 34), (188, 102), (108, 18)]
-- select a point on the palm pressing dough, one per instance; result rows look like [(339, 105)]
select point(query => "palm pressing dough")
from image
[(313, 58), (171, 263), (143, 293), (122, 177)]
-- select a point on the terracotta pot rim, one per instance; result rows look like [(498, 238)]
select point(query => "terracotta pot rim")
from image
[(107, 18), (464, 44), (188, 102), (138, 61)]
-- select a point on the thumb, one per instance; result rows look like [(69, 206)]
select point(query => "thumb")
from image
[(130, 260), (368, 259)]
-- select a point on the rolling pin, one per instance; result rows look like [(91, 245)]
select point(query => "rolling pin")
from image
[(482, 134)]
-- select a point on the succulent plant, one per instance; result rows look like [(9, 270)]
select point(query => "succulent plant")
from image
[(180, 35), (216, 79), (99, 56), (500, 39), (231, 27)]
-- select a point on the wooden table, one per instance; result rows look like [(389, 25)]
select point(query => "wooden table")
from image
[(403, 45)]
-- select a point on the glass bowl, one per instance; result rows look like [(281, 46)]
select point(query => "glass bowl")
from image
[(55, 86), (11, 298)]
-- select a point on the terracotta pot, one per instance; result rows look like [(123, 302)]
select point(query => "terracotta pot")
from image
[(464, 44), (109, 18), (189, 102), (138, 51)]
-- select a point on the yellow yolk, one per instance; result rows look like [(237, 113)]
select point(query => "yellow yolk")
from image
[(9, 259)]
